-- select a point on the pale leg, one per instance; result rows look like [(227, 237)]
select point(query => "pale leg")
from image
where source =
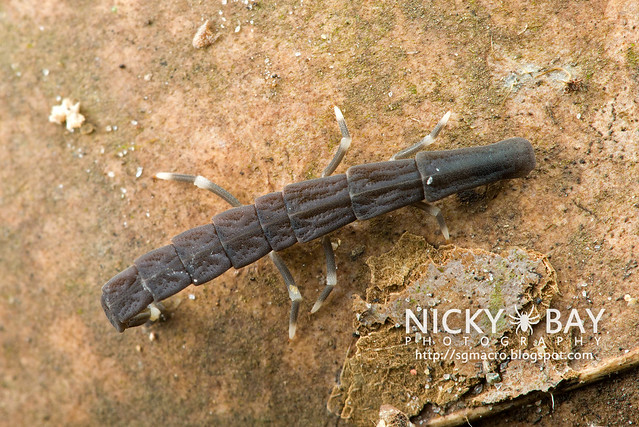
[(412, 150), (293, 291), (331, 268), (425, 142)]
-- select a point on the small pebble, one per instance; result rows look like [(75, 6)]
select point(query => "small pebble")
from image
[(205, 36), (493, 377)]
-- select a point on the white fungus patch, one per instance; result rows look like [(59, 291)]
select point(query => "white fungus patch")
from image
[(67, 112)]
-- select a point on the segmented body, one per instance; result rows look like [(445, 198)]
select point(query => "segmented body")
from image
[(302, 212)]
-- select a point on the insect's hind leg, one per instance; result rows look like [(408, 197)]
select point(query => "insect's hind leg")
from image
[(329, 254), (424, 142), (201, 182), (293, 291)]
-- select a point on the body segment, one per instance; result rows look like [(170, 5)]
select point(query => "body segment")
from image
[(271, 210), (241, 235), (377, 188), (318, 206)]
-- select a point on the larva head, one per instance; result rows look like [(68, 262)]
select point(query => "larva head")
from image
[(451, 171)]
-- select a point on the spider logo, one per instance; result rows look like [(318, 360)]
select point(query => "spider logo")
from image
[(524, 322)]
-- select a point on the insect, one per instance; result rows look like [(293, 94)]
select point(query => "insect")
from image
[(305, 211)]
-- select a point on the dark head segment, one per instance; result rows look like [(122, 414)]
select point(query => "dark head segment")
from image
[(451, 171), (521, 155)]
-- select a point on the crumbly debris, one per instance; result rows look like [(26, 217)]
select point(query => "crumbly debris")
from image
[(427, 374), (67, 112), (390, 416)]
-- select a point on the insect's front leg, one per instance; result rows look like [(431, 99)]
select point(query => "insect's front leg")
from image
[(437, 213), (329, 254), (409, 152)]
